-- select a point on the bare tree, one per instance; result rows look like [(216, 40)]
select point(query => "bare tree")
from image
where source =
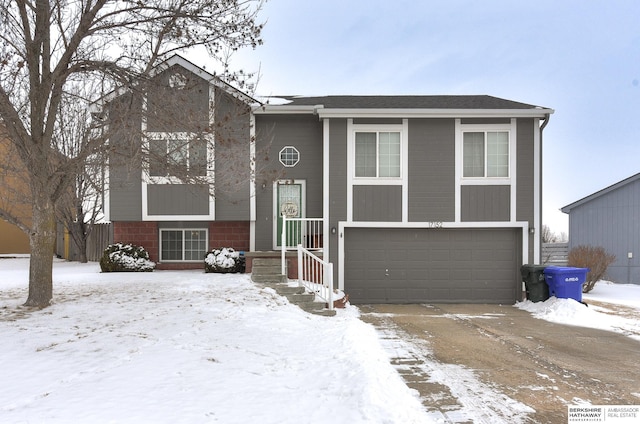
[(80, 206), (48, 48), (548, 236)]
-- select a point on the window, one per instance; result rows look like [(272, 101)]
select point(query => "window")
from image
[(183, 245), (177, 155), (486, 154), (289, 156), (377, 154)]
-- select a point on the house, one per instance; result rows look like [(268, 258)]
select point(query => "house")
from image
[(610, 218), (419, 198), (14, 195)]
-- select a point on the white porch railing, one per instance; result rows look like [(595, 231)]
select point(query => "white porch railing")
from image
[(304, 231), (315, 275)]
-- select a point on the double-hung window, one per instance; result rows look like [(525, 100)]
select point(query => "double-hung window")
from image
[(485, 154), (183, 245), (177, 155), (377, 154)]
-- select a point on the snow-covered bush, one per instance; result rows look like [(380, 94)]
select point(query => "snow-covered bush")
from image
[(120, 257), (224, 260), (594, 258)]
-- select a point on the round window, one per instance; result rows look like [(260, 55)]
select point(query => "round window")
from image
[(289, 156)]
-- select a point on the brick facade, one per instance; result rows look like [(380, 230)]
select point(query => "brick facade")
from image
[(143, 234), (234, 234)]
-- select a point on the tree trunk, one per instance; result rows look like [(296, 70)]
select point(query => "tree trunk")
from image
[(42, 240)]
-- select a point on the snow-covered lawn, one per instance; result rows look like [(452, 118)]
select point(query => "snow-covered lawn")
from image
[(190, 347), (186, 347)]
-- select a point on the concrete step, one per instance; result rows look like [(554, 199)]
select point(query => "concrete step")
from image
[(300, 298), (268, 278), (316, 308), (266, 262)]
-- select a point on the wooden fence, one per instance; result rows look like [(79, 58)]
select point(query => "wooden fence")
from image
[(100, 237), (555, 254)]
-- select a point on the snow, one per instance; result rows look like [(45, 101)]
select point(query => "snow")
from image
[(616, 308), (187, 347), (190, 347)]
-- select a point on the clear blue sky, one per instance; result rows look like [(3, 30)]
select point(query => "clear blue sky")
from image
[(579, 57)]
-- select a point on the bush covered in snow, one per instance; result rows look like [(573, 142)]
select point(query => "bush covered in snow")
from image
[(120, 257), (224, 260), (594, 258)]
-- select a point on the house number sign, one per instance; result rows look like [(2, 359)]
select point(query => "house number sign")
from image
[(435, 224), (289, 209)]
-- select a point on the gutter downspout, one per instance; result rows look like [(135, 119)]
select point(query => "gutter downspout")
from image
[(547, 116)]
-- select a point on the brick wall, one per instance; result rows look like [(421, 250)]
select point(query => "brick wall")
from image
[(234, 234), (221, 234), (143, 234)]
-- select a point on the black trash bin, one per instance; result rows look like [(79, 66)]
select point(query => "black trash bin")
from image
[(535, 283)]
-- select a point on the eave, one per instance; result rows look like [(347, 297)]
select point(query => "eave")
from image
[(403, 113)]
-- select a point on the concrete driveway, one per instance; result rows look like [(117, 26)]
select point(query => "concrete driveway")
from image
[(496, 363)]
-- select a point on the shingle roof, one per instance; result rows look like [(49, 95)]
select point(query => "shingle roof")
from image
[(408, 102)]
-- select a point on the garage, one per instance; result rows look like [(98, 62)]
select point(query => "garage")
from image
[(432, 265)]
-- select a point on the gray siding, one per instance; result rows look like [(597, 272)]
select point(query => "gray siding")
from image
[(174, 109), (377, 203), (338, 184), (431, 170), (613, 222), (485, 203), (273, 132), (232, 153), (125, 171), (177, 199), (525, 178)]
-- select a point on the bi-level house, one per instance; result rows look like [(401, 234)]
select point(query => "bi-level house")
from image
[(417, 198)]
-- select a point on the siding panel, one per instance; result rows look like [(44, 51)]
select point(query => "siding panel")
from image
[(613, 222), (273, 132), (431, 169), (177, 199), (377, 203), (485, 203)]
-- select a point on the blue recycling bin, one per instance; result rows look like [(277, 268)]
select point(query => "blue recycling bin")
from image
[(565, 282)]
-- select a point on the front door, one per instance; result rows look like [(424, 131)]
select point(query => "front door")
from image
[(289, 200)]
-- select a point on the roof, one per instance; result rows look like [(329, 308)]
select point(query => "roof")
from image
[(626, 181), (403, 105), (174, 60), (408, 102)]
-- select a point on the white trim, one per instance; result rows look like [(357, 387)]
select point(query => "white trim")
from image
[(148, 180), (190, 66), (326, 191), (429, 113), (537, 180), (458, 171), (160, 230), (252, 183), (404, 168), (106, 194), (324, 113), (280, 156), (350, 168), (276, 212), (286, 110), (402, 180), (513, 168), (343, 225)]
